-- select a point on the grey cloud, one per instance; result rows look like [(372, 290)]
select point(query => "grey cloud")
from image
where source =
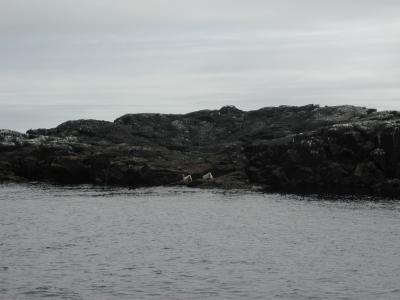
[(181, 55), (137, 15)]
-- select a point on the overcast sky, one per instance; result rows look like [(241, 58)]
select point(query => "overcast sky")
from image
[(70, 59)]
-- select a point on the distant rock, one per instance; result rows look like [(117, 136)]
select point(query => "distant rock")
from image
[(300, 149)]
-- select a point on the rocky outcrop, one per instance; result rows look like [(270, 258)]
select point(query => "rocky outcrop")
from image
[(343, 149)]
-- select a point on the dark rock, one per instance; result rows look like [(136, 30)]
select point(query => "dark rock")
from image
[(367, 173), (341, 149)]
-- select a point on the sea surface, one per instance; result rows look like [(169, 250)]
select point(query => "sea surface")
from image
[(85, 242)]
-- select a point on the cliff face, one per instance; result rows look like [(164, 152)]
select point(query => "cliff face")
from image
[(342, 149)]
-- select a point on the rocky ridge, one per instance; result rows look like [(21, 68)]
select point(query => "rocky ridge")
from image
[(312, 149)]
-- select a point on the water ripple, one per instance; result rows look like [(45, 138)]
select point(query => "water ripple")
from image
[(84, 242)]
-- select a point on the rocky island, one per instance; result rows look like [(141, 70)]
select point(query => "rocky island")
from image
[(306, 149)]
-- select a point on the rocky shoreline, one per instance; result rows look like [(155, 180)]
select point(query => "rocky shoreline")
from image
[(306, 149)]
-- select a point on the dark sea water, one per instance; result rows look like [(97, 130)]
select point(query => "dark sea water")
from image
[(177, 243)]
